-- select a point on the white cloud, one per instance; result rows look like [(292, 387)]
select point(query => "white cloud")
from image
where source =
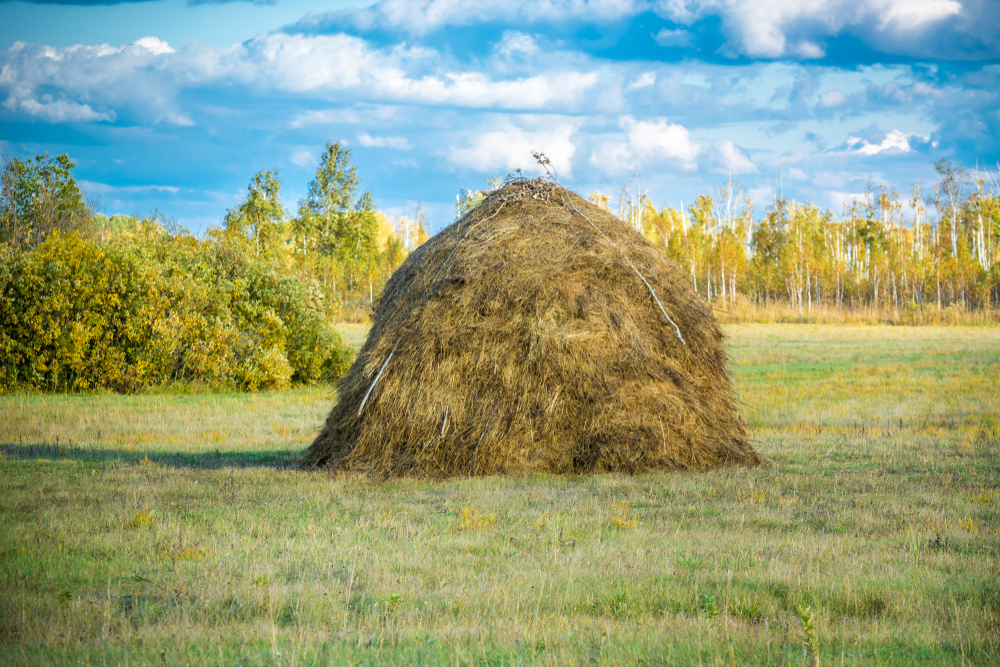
[(352, 116), (397, 143), (509, 147), (336, 63), (652, 141), (731, 160), (659, 140), (833, 98), (645, 80), (841, 201), (153, 45), (765, 194), (909, 14), (105, 189), (177, 119), (894, 142), (676, 37), (515, 43), (762, 28), (94, 83), (797, 174), (422, 16), (147, 77), (303, 158), (57, 111)]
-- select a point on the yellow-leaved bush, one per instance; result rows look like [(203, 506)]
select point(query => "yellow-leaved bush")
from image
[(151, 308)]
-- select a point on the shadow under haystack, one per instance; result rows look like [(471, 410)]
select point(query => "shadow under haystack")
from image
[(537, 333)]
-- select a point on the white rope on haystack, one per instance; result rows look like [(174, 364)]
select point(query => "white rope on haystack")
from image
[(375, 381)]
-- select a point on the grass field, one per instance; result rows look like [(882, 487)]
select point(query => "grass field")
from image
[(170, 529)]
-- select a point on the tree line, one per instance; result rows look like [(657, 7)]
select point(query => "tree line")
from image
[(907, 258)]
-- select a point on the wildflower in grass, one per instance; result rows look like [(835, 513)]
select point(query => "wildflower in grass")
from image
[(623, 517), (141, 519), (983, 496), (192, 553), (473, 519), (969, 525)]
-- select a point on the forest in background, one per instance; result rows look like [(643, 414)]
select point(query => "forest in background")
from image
[(132, 302), (929, 257)]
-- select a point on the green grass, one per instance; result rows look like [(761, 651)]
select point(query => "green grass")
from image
[(165, 529)]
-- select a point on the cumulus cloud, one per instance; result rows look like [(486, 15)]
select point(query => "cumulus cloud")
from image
[(730, 159), (154, 45), (57, 111), (833, 98), (644, 80), (676, 37), (647, 142), (514, 43), (299, 63), (777, 28), (397, 143), (419, 17), (509, 147), (92, 83), (754, 28), (105, 189), (98, 82), (351, 116), (303, 158), (895, 142), (841, 201)]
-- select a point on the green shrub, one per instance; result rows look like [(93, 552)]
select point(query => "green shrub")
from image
[(149, 308)]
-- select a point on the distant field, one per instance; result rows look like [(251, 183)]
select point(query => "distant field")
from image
[(353, 334), (166, 529)]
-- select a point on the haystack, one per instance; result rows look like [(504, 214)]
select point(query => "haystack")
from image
[(537, 333)]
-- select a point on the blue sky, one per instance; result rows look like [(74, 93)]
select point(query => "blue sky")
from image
[(174, 105)]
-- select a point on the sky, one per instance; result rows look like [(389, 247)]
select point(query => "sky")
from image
[(174, 105)]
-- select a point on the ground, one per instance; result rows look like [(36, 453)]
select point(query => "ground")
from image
[(173, 529)]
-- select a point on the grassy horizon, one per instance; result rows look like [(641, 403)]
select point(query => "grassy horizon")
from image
[(173, 529)]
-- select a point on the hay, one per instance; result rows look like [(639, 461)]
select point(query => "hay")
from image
[(537, 333)]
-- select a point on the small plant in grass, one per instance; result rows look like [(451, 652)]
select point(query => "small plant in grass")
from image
[(810, 644), (708, 606), (937, 526), (747, 608), (472, 519), (192, 553), (623, 517), (66, 596), (983, 496), (969, 525), (141, 519)]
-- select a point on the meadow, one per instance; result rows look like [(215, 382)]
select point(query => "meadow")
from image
[(170, 528)]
